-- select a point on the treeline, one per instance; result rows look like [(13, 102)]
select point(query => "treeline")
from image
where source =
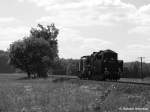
[(4, 63), (62, 66), (133, 70), (71, 66), (66, 67)]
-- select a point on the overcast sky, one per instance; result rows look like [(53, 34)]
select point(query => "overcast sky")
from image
[(85, 25)]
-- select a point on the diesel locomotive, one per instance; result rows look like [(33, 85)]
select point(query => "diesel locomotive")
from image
[(102, 65)]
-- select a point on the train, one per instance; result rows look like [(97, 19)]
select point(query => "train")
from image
[(102, 65)]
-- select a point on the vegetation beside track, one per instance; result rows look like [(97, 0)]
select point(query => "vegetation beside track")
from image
[(69, 95)]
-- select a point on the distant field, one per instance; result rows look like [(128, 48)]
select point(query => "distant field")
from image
[(65, 95)]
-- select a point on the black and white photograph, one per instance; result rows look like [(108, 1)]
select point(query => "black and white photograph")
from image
[(74, 55)]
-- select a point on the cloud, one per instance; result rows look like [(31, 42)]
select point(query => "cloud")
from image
[(71, 4), (133, 51), (69, 43), (4, 45), (69, 20), (8, 33), (141, 20), (138, 47), (144, 30), (13, 33), (142, 16), (7, 19), (138, 50), (112, 19), (145, 9), (94, 44), (93, 12), (85, 12), (73, 44)]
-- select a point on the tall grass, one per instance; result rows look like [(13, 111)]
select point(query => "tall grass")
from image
[(70, 96)]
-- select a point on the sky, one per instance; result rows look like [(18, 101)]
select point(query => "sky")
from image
[(84, 26)]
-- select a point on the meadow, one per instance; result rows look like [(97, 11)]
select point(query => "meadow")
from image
[(70, 95)]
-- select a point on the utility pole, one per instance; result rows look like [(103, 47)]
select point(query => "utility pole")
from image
[(141, 59)]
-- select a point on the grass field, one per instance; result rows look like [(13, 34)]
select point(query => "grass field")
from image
[(64, 95)]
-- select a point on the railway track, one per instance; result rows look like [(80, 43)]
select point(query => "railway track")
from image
[(122, 80), (130, 82)]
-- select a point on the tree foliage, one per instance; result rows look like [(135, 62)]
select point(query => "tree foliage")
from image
[(36, 53), (49, 33), (66, 67), (133, 70)]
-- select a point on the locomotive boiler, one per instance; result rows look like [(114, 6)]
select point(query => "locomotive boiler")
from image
[(101, 65)]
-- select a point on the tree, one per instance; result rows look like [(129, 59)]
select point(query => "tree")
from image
[(49, 33), (136, 69), (36, 53)]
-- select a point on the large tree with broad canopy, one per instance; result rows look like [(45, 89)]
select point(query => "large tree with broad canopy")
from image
[(37, 53)]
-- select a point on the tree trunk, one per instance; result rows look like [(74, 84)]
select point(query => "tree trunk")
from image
[(29, 75), (42, 74)]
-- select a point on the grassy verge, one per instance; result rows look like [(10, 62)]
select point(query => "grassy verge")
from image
[(53, 95)]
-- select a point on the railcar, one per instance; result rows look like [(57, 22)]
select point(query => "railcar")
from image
[(101, 65)]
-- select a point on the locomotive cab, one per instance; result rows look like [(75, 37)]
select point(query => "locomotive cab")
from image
[(110, 55), (101, 65), (112, 65)]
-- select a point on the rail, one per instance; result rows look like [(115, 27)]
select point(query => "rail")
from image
[(122, 80)]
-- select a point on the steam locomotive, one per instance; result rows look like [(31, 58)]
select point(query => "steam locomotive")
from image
[(101, 65)]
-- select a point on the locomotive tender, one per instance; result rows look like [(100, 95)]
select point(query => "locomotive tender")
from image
[(101, 65)]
